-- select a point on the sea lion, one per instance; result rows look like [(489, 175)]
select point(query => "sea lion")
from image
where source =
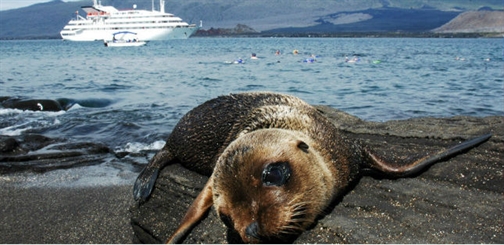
[(275, 163)]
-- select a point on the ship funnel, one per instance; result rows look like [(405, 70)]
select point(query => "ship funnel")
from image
[(161, 6)]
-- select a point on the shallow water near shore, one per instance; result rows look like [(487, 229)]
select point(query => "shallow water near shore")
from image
[(131, 98)]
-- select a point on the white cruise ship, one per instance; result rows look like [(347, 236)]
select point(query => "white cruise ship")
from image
[(101, 22)]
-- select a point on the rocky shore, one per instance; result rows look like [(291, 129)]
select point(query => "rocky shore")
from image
[(55, 191)]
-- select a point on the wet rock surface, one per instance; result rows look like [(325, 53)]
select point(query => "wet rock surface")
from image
[(458, 200), (39, 153)]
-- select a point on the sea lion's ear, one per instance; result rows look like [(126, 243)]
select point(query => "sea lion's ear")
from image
[(374, 162), (195, 213), (303, 146)]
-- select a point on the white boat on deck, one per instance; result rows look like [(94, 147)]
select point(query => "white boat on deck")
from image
[(124, 39), (101, 22)]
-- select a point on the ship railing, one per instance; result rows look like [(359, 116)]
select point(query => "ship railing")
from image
[(90, 14), (79, 18)]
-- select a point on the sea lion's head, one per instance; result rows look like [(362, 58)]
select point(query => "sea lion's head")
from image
[(271, 184)]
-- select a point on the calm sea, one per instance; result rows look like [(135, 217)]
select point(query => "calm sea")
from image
[(131, 98)]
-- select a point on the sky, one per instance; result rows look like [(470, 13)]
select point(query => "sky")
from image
[(14, 4)]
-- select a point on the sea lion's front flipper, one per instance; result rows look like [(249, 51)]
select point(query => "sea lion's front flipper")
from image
[(147, 178), (195, 213), (391, 170)]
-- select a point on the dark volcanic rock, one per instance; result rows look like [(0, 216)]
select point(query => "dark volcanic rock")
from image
[(8, 145), (455, 201), (39, 153), (240, 29)]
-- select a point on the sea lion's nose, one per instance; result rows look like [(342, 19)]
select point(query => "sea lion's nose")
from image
[(253, 230)]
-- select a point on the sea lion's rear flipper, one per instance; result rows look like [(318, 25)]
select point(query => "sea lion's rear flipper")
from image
[(392, 170), (147, 178), (195, 213)]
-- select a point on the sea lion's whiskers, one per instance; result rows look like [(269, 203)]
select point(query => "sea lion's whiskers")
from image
[(295, 223)]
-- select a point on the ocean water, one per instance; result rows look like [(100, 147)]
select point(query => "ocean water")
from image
[(131, 98)]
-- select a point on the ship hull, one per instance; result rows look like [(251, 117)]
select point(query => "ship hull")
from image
[(143, 34)]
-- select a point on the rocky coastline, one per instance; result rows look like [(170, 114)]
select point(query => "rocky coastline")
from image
[(45, 199)]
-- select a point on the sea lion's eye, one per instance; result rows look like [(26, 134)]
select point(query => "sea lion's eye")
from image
[(276, 174)]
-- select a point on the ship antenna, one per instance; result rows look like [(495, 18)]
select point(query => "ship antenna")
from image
[(152, 5)]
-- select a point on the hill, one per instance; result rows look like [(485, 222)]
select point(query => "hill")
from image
[(377, 20), (43, 20), (47, 19), (475, 21)]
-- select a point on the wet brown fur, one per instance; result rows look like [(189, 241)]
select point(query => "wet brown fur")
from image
[(278, 210), (233, 138)]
